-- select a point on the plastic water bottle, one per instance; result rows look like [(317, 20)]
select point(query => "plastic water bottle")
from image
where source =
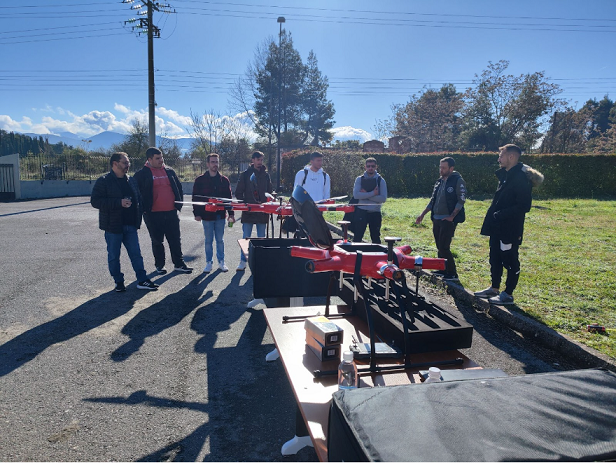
[(434, 375), (347, 372)]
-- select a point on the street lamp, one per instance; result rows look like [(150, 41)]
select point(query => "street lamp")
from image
[(278, 161)]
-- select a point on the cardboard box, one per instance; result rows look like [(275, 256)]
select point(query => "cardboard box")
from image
[(324, 331), (323, 352)]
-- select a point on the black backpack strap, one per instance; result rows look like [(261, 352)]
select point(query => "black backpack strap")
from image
[(306, 176)]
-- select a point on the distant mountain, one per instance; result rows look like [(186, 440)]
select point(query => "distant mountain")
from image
[(53, 139), (68, 135), (104, 140)]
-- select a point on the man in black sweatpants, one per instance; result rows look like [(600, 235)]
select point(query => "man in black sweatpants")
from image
[(446, 208)]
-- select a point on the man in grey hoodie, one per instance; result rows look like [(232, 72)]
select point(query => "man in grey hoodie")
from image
[(370, 190)]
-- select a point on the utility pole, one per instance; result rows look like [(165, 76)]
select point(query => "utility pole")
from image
[(280, 20), (146, 26)]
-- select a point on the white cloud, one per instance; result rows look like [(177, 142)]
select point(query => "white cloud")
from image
[(351, 133), (120, 119), (174, 116), (10, 125)]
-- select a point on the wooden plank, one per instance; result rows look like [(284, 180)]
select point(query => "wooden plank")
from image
[(313, 396)]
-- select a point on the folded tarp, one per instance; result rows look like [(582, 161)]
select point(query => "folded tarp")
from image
[(548, 416)]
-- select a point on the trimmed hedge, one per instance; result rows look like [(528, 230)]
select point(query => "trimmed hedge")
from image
[(413, 175)]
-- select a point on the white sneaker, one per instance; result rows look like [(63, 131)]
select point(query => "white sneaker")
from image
[(208, 267), (241, 267), (223, 267)]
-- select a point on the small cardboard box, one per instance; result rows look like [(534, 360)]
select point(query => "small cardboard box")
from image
[(324, 331), (323, 352)]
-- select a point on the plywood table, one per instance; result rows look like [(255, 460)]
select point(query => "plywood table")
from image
[(313, 396)]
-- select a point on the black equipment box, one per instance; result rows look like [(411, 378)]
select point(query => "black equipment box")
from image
[(564, 416), (432, 329), (276, 274)]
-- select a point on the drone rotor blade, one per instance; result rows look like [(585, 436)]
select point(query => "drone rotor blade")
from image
[(335, 198)]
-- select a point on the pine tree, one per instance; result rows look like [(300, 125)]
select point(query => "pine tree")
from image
[(318, 110)]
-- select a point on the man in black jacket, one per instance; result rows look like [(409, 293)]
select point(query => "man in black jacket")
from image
[(446, 208), (116, 196), (161, 190), (252, 187), (504, 221)]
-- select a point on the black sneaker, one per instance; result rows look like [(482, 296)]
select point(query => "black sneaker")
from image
[(120, 287), (147, 284), (438, 273), (161, 271), (184, 269), (451, 277)]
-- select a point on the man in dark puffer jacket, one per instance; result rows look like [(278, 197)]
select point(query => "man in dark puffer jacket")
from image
[(252, 187), (504, 221), (116, 196)]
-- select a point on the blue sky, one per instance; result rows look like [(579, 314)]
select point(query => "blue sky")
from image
[(71, 66)]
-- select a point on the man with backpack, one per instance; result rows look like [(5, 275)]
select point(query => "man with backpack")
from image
[(314, 179), (371, 190), (446, 209)]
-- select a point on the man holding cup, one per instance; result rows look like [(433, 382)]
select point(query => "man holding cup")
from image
[(116, 196)]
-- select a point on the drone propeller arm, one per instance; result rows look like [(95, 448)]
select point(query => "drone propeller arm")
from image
[(405, 249), (309, 253), (428, 263)]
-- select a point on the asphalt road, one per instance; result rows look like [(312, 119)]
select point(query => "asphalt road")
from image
[(179, 374)]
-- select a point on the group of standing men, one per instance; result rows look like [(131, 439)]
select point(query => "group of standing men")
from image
[(503, 223), (155, 193)]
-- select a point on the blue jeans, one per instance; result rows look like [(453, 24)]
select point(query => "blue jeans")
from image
[(214, 228), (131, 242), (247, 231)]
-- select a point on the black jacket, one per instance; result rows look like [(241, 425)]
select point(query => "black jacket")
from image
[(451, 196), (512, 200), (206, 187), (145, 180), (107, 198), (253, 193)]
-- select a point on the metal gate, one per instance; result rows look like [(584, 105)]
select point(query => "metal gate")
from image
[(7, 182)]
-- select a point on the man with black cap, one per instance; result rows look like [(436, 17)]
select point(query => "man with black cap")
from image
[(252, 186), (161, 190)]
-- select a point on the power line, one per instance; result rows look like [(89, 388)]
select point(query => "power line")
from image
[(391, 12)]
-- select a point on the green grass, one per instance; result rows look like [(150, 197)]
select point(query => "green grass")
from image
[(567, 257)]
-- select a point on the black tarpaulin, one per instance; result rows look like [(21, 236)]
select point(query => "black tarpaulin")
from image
[(549, 416)]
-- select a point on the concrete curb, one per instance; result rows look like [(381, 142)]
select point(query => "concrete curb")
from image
[(517, 320)]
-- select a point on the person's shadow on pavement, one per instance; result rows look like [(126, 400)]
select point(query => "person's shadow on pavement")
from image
[(81, 319)]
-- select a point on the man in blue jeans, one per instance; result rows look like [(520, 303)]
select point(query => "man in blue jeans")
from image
[(252, 186), (212, 185), (117, 198)]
